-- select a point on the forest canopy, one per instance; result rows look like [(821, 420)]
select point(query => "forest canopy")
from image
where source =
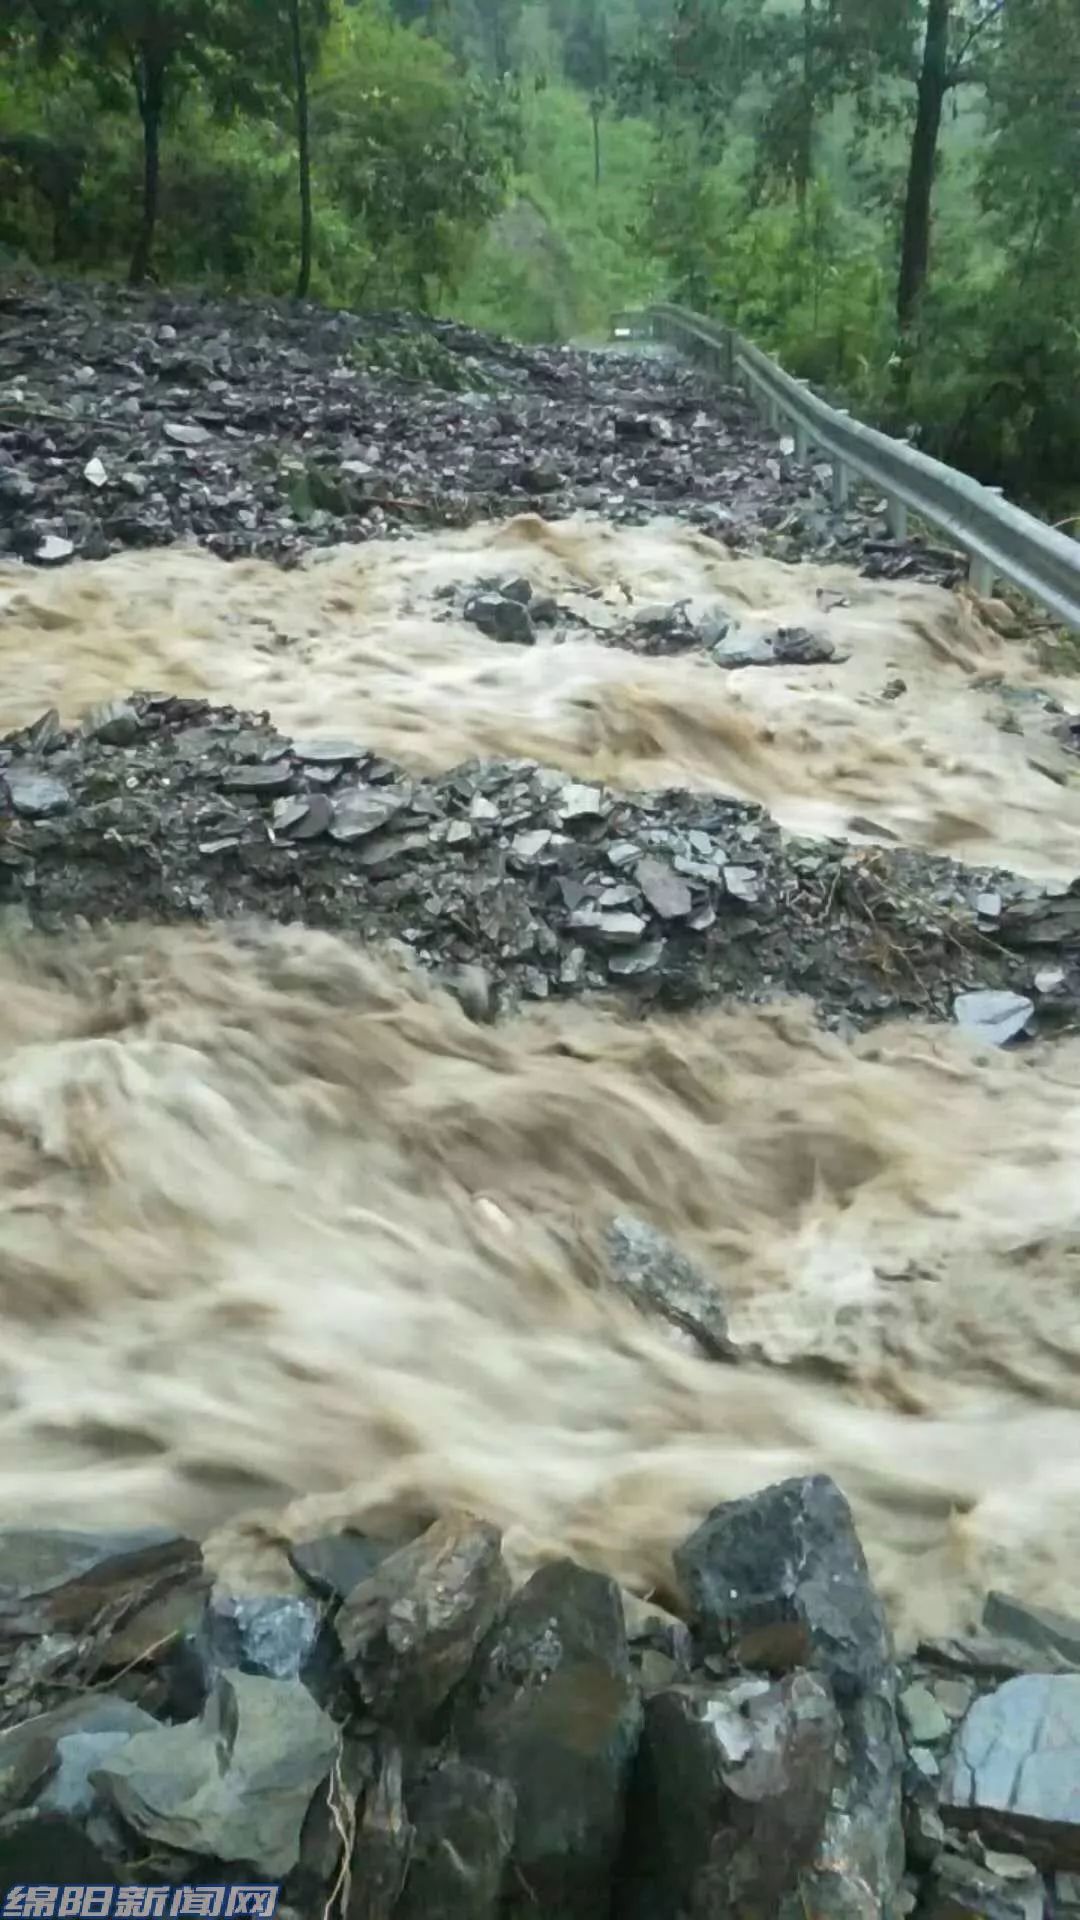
[(884, 192)]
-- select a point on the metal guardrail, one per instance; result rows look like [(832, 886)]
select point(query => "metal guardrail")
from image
[(1001, 541)]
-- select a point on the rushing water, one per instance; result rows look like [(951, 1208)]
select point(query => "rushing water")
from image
[(284, 1234)]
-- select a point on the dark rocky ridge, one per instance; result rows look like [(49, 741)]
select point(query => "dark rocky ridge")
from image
[(131, 419), (175, 810), (391, 1731)]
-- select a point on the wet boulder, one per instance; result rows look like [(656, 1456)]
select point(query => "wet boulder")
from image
[(730, 1795), (501, 616), (332, 1564), (652, 1272), (1005, 1887), (779, 1580), (1041, 1628), (47, 1759), (1013, 1772), (463, 1830), (551, 1710), (54, 1579), (409, 1632), (383, 1844), (234, 1785)]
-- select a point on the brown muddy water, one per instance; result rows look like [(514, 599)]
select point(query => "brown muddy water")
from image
[(285, 1237)]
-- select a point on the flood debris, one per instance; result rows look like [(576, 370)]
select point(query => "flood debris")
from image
[(176, 809), (568, 1748), (263, 427)]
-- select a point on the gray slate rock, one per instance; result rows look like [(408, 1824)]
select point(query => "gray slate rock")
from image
[(334, 1563), (463, 1830), (273, 1635), (796, 647), (552, 1711), (1014, 1768), (660, 1279), (730, 1796), (501, 617), (993, 1017), (410, 1631), (383, 1845), (924, 1718), (79, 1755), (1037, 1627), (779, 1580), (963, 1889), (52, 1578), (273, 777), (743, 650), (667, 894), (30, 1751), (361, 812), (858, 1870), (116, 723), (234, 1785), (37, 796)]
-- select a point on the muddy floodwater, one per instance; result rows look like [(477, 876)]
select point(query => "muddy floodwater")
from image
[(284, 1233)]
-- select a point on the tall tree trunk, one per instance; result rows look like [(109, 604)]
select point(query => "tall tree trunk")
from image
[(149, 76), (915, 243), (150, 92), (804, 152), (303, 149), (594, 109)]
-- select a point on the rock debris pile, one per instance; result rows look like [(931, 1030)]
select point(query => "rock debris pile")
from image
[(176, 809), (132, 420), (386, 1727)]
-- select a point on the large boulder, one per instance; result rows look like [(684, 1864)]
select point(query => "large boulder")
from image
[(1014, 1768), (234, 1785), (731, 1791), (463, 1830), (409, 1632), (52, 1579), (779, 1581), (552, 1711)]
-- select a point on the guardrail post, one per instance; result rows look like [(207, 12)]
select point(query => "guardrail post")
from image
[(896, 516), (729, 355), (981, 574), (841, 472), (802, 436)]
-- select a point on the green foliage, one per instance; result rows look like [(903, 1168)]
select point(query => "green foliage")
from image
[(414, 155), (561, 257), (535, 165)]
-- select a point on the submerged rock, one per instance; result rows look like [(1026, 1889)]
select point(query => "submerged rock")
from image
[(502, 616), (660, 1279)]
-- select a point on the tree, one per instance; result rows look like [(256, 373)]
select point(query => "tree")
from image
[(587, 63), (416, 156), (156, 47), (951, 43), (293, 33)]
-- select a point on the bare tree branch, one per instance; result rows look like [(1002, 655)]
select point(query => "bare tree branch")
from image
[(956, 70)]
